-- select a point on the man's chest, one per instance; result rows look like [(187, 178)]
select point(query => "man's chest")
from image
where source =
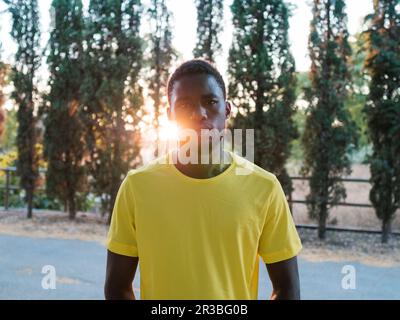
[(209, 213)]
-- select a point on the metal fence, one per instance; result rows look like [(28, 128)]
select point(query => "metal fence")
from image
[(342, 204), (8, 187), (7, 184), (345, 204)]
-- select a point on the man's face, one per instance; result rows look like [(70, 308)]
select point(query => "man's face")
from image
[(197, 102)]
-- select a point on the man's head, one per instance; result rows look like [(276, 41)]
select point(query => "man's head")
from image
[(197, 96)]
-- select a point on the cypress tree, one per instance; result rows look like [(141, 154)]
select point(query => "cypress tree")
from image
[(111, 93), (159, 56), (64, 134), (3, 73), (262, 81), (329, 131), (26, 33), (209, 26), (382, 109)]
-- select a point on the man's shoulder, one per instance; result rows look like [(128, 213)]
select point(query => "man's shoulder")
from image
[(246, 167), (152, 166)]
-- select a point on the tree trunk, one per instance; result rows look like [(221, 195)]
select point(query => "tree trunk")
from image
[(71, 207), (29, 198), (109, 216), (65, 205), (386, 229), (322, 222)]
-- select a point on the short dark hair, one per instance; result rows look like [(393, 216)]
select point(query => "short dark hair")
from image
[(195, 66)]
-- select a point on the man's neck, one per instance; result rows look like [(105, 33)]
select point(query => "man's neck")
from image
[(205, 170)]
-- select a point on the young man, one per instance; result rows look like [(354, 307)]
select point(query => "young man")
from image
[(198, 230)]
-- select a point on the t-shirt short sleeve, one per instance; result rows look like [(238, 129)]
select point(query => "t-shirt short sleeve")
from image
[(121, 237), (279, 239)]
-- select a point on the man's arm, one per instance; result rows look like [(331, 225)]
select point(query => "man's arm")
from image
[(284, 276), (119, 276)]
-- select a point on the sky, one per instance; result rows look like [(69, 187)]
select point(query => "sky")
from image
[(184, 22)]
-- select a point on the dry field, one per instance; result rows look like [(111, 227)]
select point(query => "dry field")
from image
[(343, 216)]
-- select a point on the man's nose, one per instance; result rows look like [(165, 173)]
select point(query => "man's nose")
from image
[(199, 113)]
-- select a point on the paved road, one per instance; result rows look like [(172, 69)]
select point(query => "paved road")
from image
[(80, 265)]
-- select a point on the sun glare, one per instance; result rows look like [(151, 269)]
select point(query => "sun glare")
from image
[(169, 131)]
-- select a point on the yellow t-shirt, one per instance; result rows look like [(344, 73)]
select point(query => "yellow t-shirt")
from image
[(202, 238)]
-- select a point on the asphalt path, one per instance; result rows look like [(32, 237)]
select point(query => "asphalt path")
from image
[(79, 268)]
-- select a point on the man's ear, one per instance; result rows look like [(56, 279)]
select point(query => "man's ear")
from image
[(228, 109)]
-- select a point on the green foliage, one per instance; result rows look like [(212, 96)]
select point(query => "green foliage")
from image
[(64, 135), (4, 70), (329, 133), (43, 201), (15, 198), (209, 26), (262, 81), (299, 117), (358, 89), (9, 138), (382, 109), (26, 33), (159, 56), (112, 96), (8, 159), (40, 200)]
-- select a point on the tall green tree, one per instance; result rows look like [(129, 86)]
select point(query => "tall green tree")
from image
[(64, 130), (262, 81), (2, 98), (26, 33), (8, 127), (3, 74), (159, 56), (329, 131), (382, 109), (209, 26), (9, 138), (111, 94)]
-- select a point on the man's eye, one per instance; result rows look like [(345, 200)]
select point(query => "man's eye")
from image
[(213, 102)]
